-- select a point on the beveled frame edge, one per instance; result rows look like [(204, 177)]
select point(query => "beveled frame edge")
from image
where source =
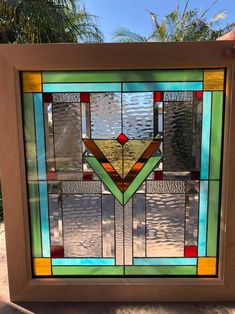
[(14, 58)]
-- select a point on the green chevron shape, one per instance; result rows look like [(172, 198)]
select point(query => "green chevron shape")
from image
[(141, 176), (123, 198)]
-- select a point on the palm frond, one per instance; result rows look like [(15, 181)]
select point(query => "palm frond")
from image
[(181, 25), (218, 17), (49, 21), (125, 35)]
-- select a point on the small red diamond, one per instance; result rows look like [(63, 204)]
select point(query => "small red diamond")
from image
[(122, 139)]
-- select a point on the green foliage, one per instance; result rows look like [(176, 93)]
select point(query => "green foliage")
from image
[(180, 25), (46, 21)]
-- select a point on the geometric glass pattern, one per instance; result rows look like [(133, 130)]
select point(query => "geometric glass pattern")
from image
[(124, 171)]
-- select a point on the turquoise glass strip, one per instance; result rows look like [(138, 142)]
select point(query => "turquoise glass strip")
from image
[(44, 219), (162, 86), (39, 125), (205, 146), (82, 261), (202, 228), (158, 261), (82, 87)]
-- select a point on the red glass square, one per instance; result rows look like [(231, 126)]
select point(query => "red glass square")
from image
[(57, 251), (47, 97), (122, 139), (85, 97), (195, 175), (87, 176), (158, 96), (51, 175), (158, 175), (190, 251), (199, 95)]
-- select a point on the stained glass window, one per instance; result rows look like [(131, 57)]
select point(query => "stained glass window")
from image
[(124, 171)]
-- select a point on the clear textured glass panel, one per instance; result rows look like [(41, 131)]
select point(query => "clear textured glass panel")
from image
[(128, 233), (75, 187), (139, 225), (54, 187), (119, 233), (196, 141), (137, 115), (82, 225), (165, 225), (66, 97), (108, 225), (191, 220), (105, 115), (67, 136), (178, 96), (166, 187), (56, 224), (176, 175), (192, 187), (49, 137), (86, 120), (178, 136), (69, 175)]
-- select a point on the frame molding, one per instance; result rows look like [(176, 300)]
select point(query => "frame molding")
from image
[(15, 58)]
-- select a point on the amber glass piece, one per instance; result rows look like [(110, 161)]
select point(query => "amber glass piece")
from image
[(42, 266), (112, 150), (132, 151), (132, 174), (213, 79), (206, 266), (94, 149), (140, 163), (32, 82), (113, 174)]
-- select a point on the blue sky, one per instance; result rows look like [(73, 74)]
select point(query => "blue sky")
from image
[(133, 14)]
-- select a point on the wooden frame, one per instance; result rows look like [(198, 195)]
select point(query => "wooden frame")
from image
[(15, 58)]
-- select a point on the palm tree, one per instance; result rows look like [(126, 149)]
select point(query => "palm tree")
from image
[(180, 25), (46, 21)]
